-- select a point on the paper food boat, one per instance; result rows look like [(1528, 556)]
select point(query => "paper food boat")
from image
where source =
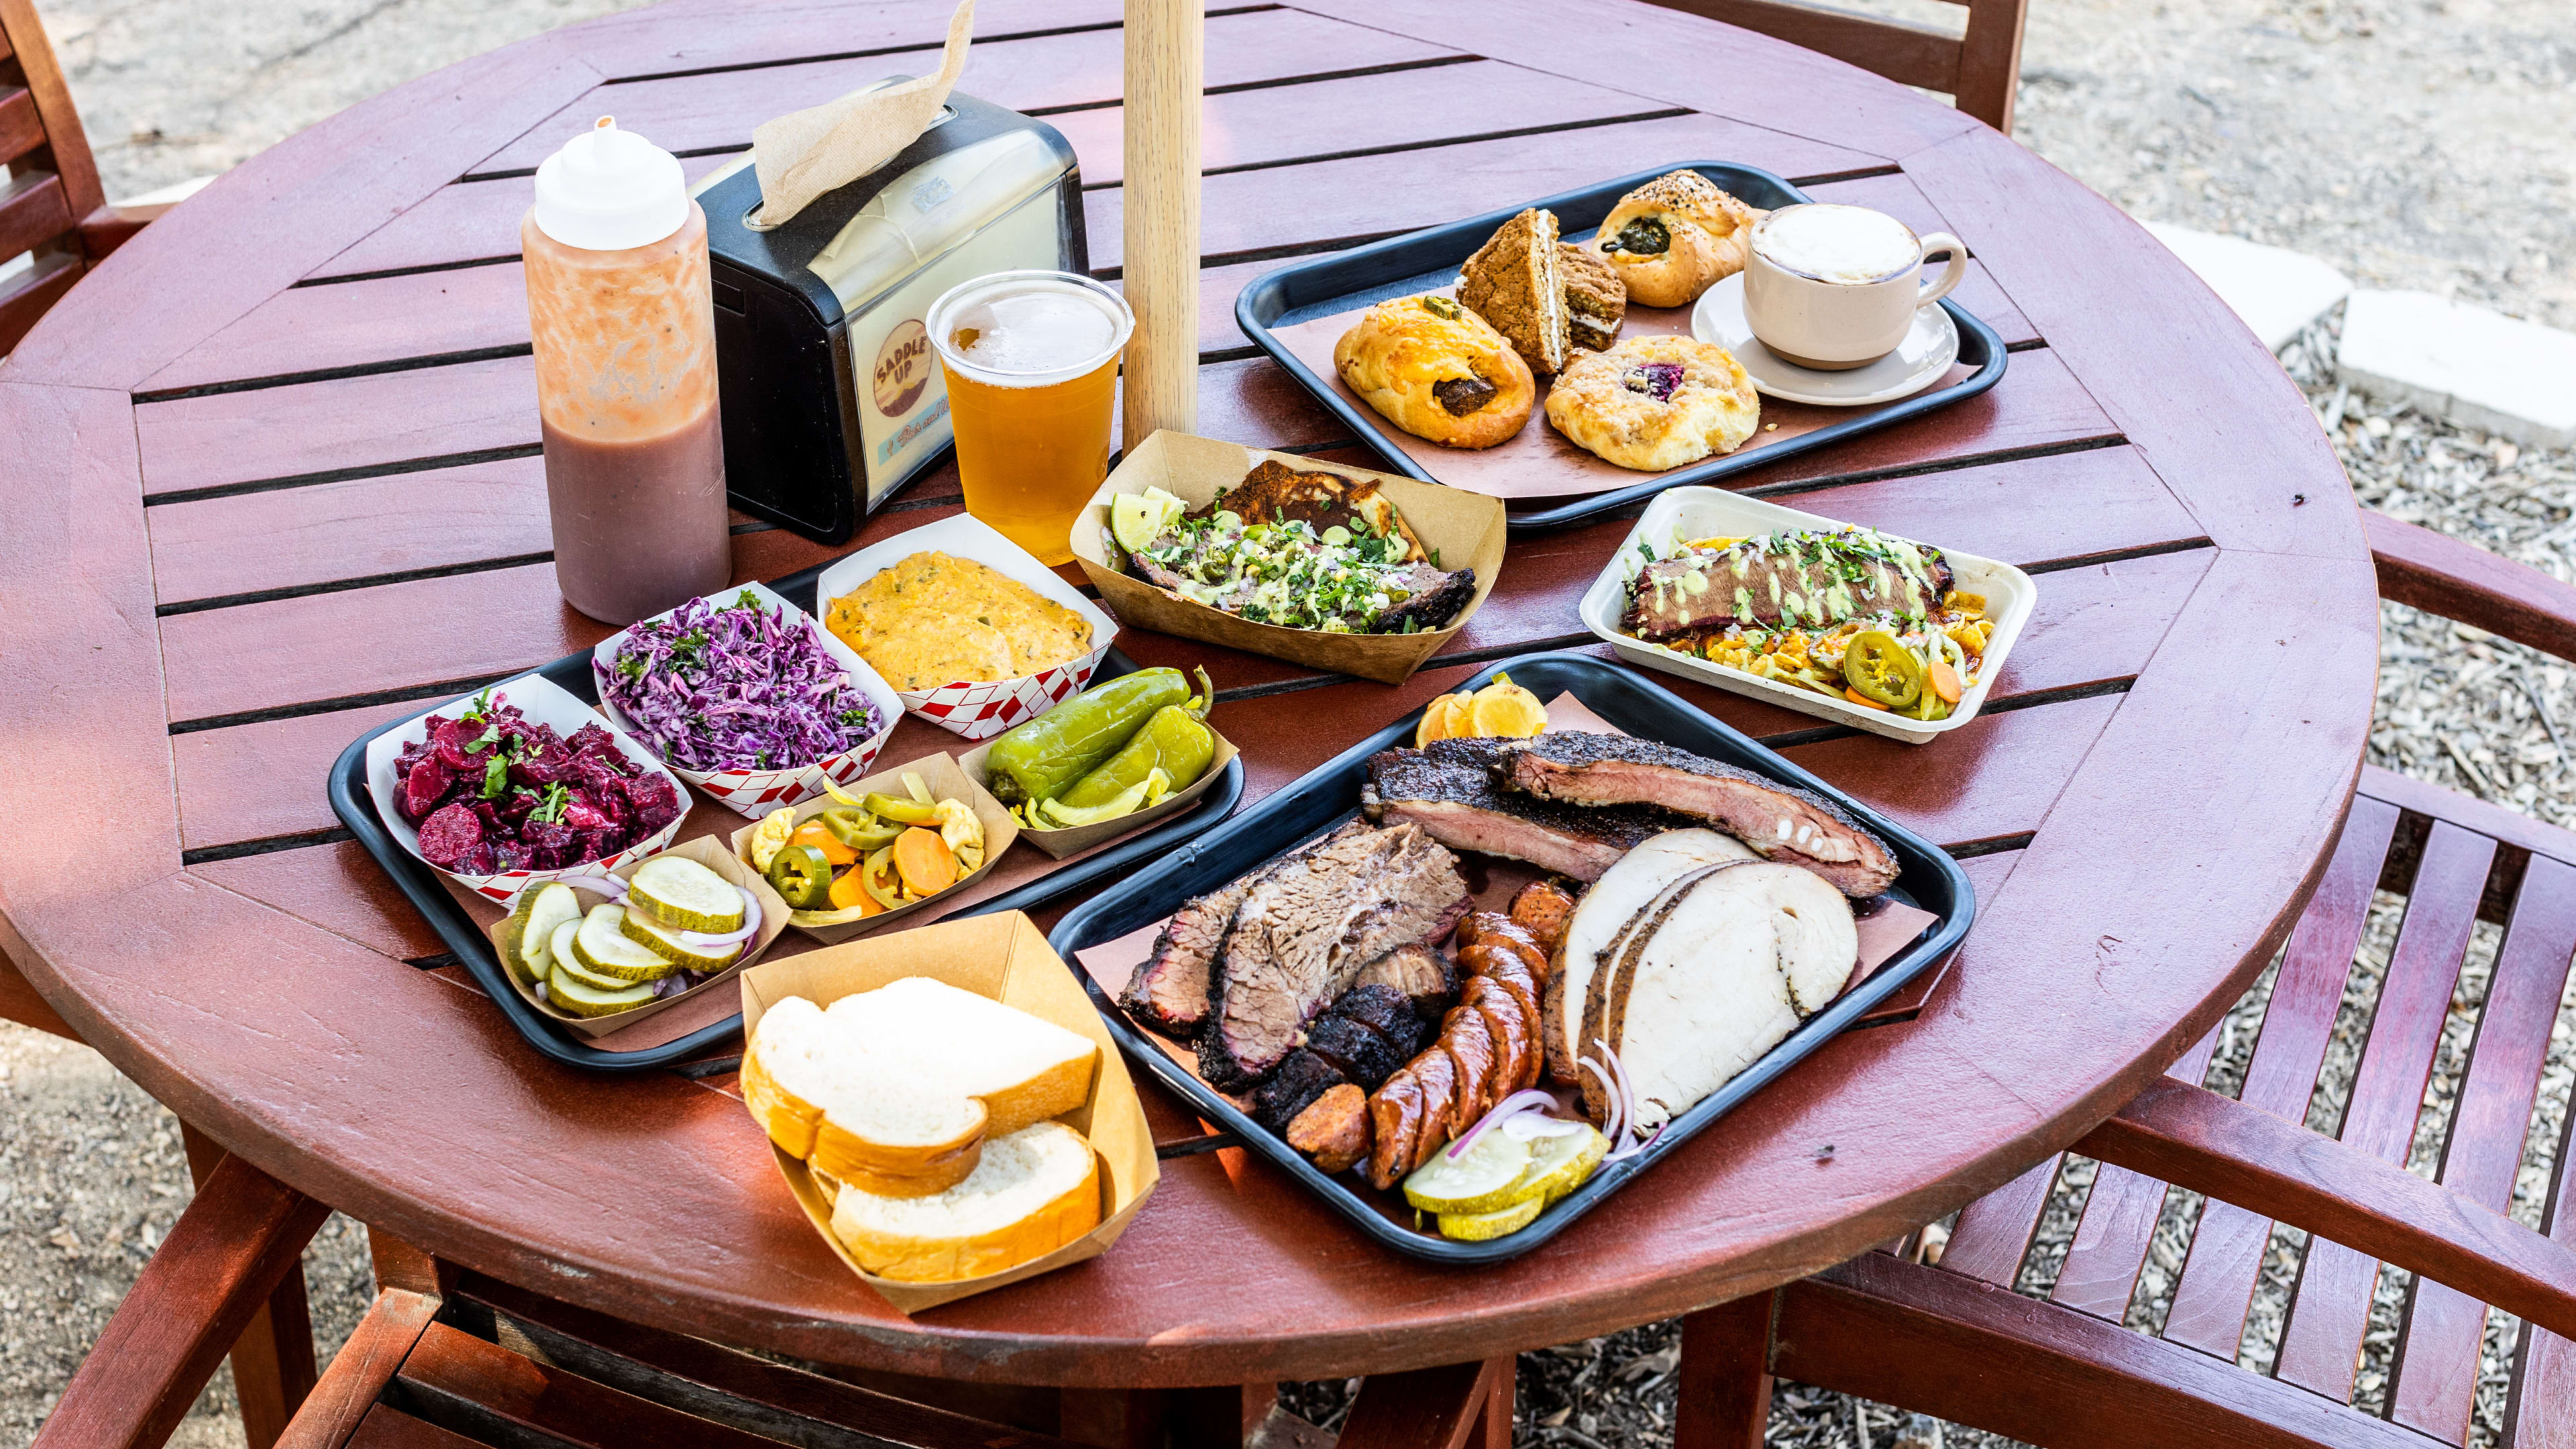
[(1463, 530), (979, 711), (706, 850), (1072, 840), (1003, 957), (941, 776), (1688, 513), (541, 701), (757, 792)]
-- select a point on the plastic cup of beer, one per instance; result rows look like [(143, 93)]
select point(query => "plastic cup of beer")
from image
[(1031, 361)]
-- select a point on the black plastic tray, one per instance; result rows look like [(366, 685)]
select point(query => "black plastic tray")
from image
[(1424, 260), (352, 803), (1331, 794)]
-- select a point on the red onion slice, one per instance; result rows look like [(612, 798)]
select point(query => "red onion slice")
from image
[(613, 887), (750, 926), (1529, 1099), (1611, 1119)]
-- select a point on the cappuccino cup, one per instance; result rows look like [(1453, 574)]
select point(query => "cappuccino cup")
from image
[(1835, 287)]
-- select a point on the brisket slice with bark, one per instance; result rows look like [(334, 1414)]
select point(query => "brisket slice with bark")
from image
[(1780, 822), (1451, 789), (1303, 934), (1169, 992)]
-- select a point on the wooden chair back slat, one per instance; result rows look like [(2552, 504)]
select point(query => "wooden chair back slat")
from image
[(1994, 1232), (67, 146), (21, 129), (2216, 1287), (32, 211), (2119, 1222), (1980, 69), (2321, 1341), (2540, 1405), (387, 1427), (2437, 1346), (26, 296)]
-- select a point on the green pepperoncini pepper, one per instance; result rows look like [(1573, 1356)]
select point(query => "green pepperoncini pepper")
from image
[(1044, 757), (1175, 740)]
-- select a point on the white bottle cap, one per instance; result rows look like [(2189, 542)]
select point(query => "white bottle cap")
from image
[(608, 190)]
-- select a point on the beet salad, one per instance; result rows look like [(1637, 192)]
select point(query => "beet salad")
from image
[(491, 792)]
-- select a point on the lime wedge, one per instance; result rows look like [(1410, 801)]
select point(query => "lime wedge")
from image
[(1477, 1227), (1135, 519), (1482, 1180)]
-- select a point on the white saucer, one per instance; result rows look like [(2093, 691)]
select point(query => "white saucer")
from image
[(1927, 352)]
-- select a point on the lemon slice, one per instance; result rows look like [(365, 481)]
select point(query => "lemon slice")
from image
[(1477, 1227), (1135, 519), (1560, 1164), (1435, 722), (1505, 709), (1458, 725), (1482, 1180)]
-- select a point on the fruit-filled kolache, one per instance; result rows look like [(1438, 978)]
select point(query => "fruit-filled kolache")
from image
[(1298, 548), (1106, 753), (1699, 915), (668, 927), (866, 855), (926, 1115)]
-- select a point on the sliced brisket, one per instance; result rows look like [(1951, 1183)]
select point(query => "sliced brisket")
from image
[(1450, 790), (1170, 991)]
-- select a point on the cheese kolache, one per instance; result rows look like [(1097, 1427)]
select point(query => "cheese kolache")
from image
[(1801, 578)]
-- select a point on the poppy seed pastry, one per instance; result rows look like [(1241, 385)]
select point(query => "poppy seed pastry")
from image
[(1512, 283), (1652, 403), (1675, 237), (1596, 301), (1438, 371)]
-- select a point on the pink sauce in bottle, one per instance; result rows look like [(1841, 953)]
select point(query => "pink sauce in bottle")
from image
[(624, 333)]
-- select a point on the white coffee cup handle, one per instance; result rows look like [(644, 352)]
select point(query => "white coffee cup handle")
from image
[(1941, 241)]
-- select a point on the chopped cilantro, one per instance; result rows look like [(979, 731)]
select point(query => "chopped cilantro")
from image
[(551, 808)]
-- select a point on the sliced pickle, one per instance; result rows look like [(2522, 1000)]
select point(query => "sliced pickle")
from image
[(684, 895), (666, 943), (1486, 1178), (600, 950), (580, 999), (527, 942), (1477, 1227), (1560, 1164)]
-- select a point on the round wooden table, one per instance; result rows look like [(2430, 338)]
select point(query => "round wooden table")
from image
[(276, 481)]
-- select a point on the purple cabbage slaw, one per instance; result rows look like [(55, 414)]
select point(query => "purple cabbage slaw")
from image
[(737, 687)]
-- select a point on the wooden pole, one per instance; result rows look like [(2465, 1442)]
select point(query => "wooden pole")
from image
[(1166, 53)]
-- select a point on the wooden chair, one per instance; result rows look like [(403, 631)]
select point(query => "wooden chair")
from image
[(228, 1280), (475, 1361), (1954, 1340), (51, 205), (1979, 70)]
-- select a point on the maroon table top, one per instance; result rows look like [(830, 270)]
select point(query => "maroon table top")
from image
[(277, 482)]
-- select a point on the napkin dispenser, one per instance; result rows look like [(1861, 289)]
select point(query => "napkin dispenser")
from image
[(831, 395)]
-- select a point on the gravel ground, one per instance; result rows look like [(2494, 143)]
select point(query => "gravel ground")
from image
[(2365, 132)]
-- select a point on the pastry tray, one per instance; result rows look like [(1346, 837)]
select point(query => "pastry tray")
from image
[(1429, 259), (464, 935), (1329, 795)]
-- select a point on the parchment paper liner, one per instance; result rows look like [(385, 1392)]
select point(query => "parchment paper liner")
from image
[(946, 782), (706, 850), (540, 701), (757, 792), (1006, 958), (1464, 529), (1075, 839)]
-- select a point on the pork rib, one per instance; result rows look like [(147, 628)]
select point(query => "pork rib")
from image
[(1780, 822)]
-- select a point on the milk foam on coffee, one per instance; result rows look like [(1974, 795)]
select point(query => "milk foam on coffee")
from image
[(1848, 244)]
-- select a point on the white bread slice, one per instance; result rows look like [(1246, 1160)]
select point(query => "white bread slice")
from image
[(1035, 1190), (1025, 1070), (822, 1097)]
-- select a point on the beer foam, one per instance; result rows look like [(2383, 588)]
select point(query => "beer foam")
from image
[(1039, 328), (1833, 243)]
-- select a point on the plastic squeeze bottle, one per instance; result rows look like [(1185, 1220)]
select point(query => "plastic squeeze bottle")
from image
[(624, 330)]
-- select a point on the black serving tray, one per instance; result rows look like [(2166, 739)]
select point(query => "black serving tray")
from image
[(1424, 260), (1329, 795), (428, 895)]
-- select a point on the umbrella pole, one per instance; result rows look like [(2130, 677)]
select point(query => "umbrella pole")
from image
[(1166, 51)]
